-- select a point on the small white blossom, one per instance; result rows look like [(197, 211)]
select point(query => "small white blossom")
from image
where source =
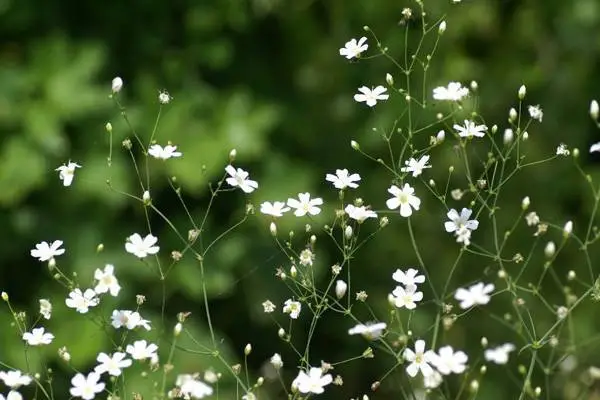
[(37, 337), (86, 387), (562, 150), (370, 331), (408, 278), (535, 112), (499, 355), (450, 362), (141, 350), (595, 147), (66, 172), (432, 381), (163, 153), (268, 306), (164, 97), (470, 129), (477, 294), (305, 205), (406, 297), (129, 319), (532, 218), (141, 247), (14, 379), (45, 308), (293, 308), (461, 225), (416, 166), (192, 388), (239, 178), (44, 251), (276, 361), (107, 282), (403, 198), (116, 84), (419, 359), (359, 214), (112, 364), (82, 301), (275, 209), (313, 382), (453, 92), (353, 48), (371, 96), (342, 179)]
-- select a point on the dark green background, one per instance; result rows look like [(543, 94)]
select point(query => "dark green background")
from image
[(265, 77)]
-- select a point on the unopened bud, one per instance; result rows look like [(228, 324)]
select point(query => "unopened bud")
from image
[(281, 332), (348, 232), (108, 127), (525, 203), (248, 349), (4, 296), (550, 249), (474, 86), (508, 136), (512, 115), (594, 110), (442, 28), (354, 145), (340, 288), (525, 136), (117, 85), (273, 229), (568, 229), (146, 198), (99, 248), (293, 271), (389, 79), (232, 155), (522, 92), (441, 135)]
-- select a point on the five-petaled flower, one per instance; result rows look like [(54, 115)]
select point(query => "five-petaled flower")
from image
[(112, 364), (141, 247), (239, 178), (353, 48), (275, 209), (370, 331), (129, 319), (38, 336), (293, 308), (82, 301), (499, 355), (163, 153), (448, 361), (140, 350), (305, 205), (470, 129), (371, 96), (454, 92), (461, 225), (406, 297), (419, 359), (192, 387), (474, 295), (44, 251), (403, 198), (66, 172), (86, 387), (408, 278), (107, 281), (416, 166), (313, 382), (14, 379), (359, 213), (342, 179)]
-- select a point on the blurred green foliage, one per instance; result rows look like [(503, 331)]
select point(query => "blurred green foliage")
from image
[(265, 77)]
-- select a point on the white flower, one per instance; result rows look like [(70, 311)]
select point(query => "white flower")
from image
[(116, 84), (370, 331), (535, 112), (66, 173), (45, 308), (107, 282), (38, 337), (112, 364), (276, 361), (406, 297), (359, 213), (454, 92), (450, 362), (15, 379), (293, 308), (499, 355), (44, 252), (470, 129), (419, 360), (305, 205), (408, 278), (460, 224), (352, 49), (169, 151), (342, 179), (371, 96), (239, 178), (532, 218), (474, 295), (141, 350), (86, 387), (164, 97), (128, 319), (403, 198), (432, 381), (275, 209), (416, 167), (82, 301), (595, 147), (192, 387), (312, 382), (141, 247), (268, 306), (562, 150)]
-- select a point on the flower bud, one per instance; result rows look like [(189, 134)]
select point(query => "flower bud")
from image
[(550, 249), (389, 79), (293, 271), (594, 110), (281, 332), (508, 136), (108, 127), (248, 349), (348, 232), (4, 296), (512, 115), (117, 85), (232, 155), (177, 329), (340, 288), (441, 135), (568, 229), (273, 229), (146, 198), (522, 92), (525, 203), (474, 86), (442, 28), (354, 145), (525, 136)]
